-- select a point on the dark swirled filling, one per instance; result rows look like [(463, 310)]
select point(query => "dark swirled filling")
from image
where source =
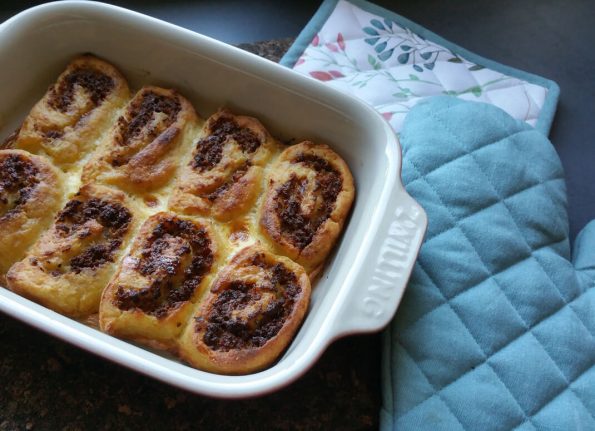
[(95, 83), (114, 220), (209, 150), (175, 257), (223, 188), (227, 328), (18, 179), (137, 118), (141, 111), (297, 226)]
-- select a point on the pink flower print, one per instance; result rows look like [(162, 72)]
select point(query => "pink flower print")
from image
[(316, 40), (321, 76), (341, 42)]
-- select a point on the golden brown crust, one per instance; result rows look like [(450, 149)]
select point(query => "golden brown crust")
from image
[(309, 193), (30, 194), (68, 267), (168, 267), (224, 175), (66, 123), (142, 150), (253, 310), (178, 288)]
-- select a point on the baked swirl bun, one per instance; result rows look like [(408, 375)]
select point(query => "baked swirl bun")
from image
[(66, 123), (249, 316), (152, 294), (30, 195), (308, 196), (224, 175), (203, 241), (71, 263), (142, 150)]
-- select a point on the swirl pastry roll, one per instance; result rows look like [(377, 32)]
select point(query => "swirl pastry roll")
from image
[(308, 197), (72, 262), (66, 123), (152, 294), (224, 175), (250, 315), (142, 150), (30, 195)]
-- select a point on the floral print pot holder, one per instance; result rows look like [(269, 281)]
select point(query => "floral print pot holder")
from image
[(496, 327), (392, 63)]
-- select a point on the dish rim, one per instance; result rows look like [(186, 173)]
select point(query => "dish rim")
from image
[(373, 317)]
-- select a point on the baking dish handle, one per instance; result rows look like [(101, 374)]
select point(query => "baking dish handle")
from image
[(374, 297)]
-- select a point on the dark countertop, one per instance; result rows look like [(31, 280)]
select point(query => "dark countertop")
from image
[(48, 384)]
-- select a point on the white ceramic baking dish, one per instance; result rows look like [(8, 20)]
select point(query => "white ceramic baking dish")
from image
[(365, 277)]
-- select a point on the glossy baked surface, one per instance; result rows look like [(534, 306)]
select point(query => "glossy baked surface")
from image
[(31, 191), (309, 193), (199, 240), (249, 315), (66, 123), (165, 272), (68, 267), (142, 150), (224, 175)]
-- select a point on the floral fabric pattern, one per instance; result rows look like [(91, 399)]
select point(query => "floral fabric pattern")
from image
[(392, 68)]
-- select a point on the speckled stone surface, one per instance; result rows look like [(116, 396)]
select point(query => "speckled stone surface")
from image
[(46, 384), (271, 49)]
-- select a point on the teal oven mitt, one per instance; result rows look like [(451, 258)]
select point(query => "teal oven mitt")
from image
[(496, 328)]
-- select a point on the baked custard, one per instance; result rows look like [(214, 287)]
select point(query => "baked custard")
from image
[(202, 238)]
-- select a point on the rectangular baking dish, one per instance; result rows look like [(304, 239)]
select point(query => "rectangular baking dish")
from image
[(365, 277)]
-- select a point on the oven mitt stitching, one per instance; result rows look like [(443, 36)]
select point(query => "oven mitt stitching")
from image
[(496, 327)]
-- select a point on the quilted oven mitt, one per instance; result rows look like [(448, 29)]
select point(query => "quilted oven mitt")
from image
[(496, 328)]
